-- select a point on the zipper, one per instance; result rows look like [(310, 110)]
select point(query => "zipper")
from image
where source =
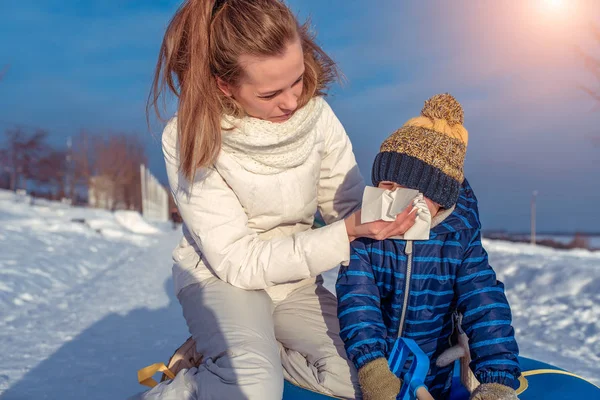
[(408, 249)]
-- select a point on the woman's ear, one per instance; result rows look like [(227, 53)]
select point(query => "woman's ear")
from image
[(224, 87)]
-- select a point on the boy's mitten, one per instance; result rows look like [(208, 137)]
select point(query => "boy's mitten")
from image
[(377, 382), (493, 391)]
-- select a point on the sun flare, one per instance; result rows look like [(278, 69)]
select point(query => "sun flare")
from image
[(554, 4)]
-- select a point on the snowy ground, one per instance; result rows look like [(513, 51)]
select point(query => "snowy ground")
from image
[(555, 297), (83, 306), (86, 300)]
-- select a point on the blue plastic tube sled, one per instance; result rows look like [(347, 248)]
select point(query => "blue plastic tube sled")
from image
[(539, 381)]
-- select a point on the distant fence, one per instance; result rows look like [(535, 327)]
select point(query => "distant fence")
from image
[(155, 199), (565, 242)]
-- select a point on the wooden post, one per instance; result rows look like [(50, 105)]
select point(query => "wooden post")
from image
[(533, 198)]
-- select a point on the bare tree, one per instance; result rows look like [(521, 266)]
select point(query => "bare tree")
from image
[(51, 169), (580, 241), (110, 162), (22, 153), (4, 169), (132, 188), (592, 64), (118, 159), (83, 161)]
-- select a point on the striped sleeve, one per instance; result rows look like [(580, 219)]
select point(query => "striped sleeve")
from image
[(486, 318), (359, 309)]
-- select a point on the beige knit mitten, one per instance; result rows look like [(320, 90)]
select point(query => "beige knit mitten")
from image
[(493, 391), (377, 382)]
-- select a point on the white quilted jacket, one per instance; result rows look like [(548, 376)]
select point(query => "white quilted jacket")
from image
[(254, 230)]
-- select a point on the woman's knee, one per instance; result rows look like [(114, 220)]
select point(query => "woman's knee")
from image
[(254, 366), (217, 321), (238, 344), (339, 376)]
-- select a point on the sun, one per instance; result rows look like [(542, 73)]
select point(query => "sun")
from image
[(554, 4)]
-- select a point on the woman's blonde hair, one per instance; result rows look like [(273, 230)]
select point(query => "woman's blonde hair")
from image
[(205, 40)]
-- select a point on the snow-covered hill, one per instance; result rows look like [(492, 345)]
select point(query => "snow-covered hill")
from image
[(86, 300)]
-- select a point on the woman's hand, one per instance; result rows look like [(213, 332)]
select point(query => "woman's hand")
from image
[(380, 230)]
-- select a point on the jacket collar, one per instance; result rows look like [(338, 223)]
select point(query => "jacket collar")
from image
[(464, 216)]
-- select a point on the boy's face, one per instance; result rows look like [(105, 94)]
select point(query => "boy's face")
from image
[(433, 207)]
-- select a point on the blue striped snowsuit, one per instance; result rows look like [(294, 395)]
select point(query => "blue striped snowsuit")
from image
[(450, 272)]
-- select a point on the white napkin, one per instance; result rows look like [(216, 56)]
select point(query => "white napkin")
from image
[(380, 204)]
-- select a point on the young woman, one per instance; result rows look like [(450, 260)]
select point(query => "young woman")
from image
[(253, 153)]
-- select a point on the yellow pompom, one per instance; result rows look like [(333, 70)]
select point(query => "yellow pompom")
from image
[(446, 107)]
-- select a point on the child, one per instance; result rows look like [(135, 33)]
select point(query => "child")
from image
[(416, 289)]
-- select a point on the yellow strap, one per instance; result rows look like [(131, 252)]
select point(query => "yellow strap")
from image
[(145, 375), (524, 384)]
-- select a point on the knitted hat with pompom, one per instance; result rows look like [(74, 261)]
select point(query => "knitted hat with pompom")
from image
[(428, 152)]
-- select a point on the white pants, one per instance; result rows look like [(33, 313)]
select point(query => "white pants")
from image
[(250, 344)]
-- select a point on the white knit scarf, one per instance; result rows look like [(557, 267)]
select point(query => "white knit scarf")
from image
[(266, 148)]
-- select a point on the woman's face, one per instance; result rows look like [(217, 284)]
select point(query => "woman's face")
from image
[(270, 86)]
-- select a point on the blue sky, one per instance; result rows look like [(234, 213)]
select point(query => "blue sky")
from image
[(513, 65)]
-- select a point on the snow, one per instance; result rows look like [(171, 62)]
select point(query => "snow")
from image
[(86, 299), (554, 296), (135, 223)]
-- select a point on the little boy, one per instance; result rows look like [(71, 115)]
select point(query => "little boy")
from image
[(415, 289)]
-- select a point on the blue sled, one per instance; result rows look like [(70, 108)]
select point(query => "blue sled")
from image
[(540, 381)]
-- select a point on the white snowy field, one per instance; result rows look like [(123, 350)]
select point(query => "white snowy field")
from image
[(83, 306), (86, 300)]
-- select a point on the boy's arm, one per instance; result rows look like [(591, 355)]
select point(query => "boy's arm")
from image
[(486, 318), (359, 308), (361, 325)]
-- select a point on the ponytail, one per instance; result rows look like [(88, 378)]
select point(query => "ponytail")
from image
[(184, 67)]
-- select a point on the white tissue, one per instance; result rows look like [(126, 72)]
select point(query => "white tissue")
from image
[(380, 204)]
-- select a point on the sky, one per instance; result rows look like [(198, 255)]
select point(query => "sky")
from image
[(514, 66)]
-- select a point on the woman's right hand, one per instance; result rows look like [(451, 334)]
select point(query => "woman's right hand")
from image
[(380, 230)]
